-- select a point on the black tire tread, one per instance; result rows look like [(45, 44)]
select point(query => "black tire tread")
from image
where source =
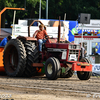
[(32, 56), (86, 75), (22, 57), (56, 67)]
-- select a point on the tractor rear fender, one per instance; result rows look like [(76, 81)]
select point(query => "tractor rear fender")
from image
[(27, 38)]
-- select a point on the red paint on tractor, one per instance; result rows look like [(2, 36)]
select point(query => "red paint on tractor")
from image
[(76, 67), (1, 59)]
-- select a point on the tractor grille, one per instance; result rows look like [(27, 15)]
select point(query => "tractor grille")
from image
[(74, 47), (73, 55)]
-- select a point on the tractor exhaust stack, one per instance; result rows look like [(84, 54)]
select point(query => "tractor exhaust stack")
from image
[(59, 29)]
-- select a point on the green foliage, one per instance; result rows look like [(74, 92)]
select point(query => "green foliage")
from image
[(56, 8), (32, 7), (73, 7)]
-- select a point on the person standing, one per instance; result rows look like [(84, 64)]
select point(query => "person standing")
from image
[(83, 52)]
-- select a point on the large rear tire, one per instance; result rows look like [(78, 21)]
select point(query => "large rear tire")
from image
[(32, 57), (84, 75), (14, 58), (52, 68)]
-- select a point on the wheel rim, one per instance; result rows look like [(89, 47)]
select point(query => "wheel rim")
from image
[(49, 68), (14, 59)]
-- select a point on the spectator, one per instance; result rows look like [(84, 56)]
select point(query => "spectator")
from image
[(83, 51), (5, 40)]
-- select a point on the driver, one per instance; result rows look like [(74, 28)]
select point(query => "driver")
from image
[(40, 35)]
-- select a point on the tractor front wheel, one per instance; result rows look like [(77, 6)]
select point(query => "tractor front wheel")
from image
[(52, 68), (84, 75)]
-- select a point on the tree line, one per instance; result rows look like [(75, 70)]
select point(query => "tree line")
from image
[(56, 8)]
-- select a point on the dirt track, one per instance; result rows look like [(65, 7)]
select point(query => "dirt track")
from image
[(42, 89)]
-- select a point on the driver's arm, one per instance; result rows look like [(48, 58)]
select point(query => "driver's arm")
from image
[(34, 35), (46, 34)]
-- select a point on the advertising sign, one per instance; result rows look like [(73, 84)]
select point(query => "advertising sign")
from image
[(96, 69)]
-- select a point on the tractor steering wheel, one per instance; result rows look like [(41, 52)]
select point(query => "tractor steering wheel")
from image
[(50, 36)]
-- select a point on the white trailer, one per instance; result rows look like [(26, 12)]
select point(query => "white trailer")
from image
[(22, 28)]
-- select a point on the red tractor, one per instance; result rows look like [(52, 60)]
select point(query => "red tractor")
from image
[(59, 58)]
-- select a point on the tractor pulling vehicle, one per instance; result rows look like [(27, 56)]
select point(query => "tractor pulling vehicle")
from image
[(58, 59)]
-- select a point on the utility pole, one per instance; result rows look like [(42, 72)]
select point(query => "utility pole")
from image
[(25, 4), (46, 9), (40, 10)]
